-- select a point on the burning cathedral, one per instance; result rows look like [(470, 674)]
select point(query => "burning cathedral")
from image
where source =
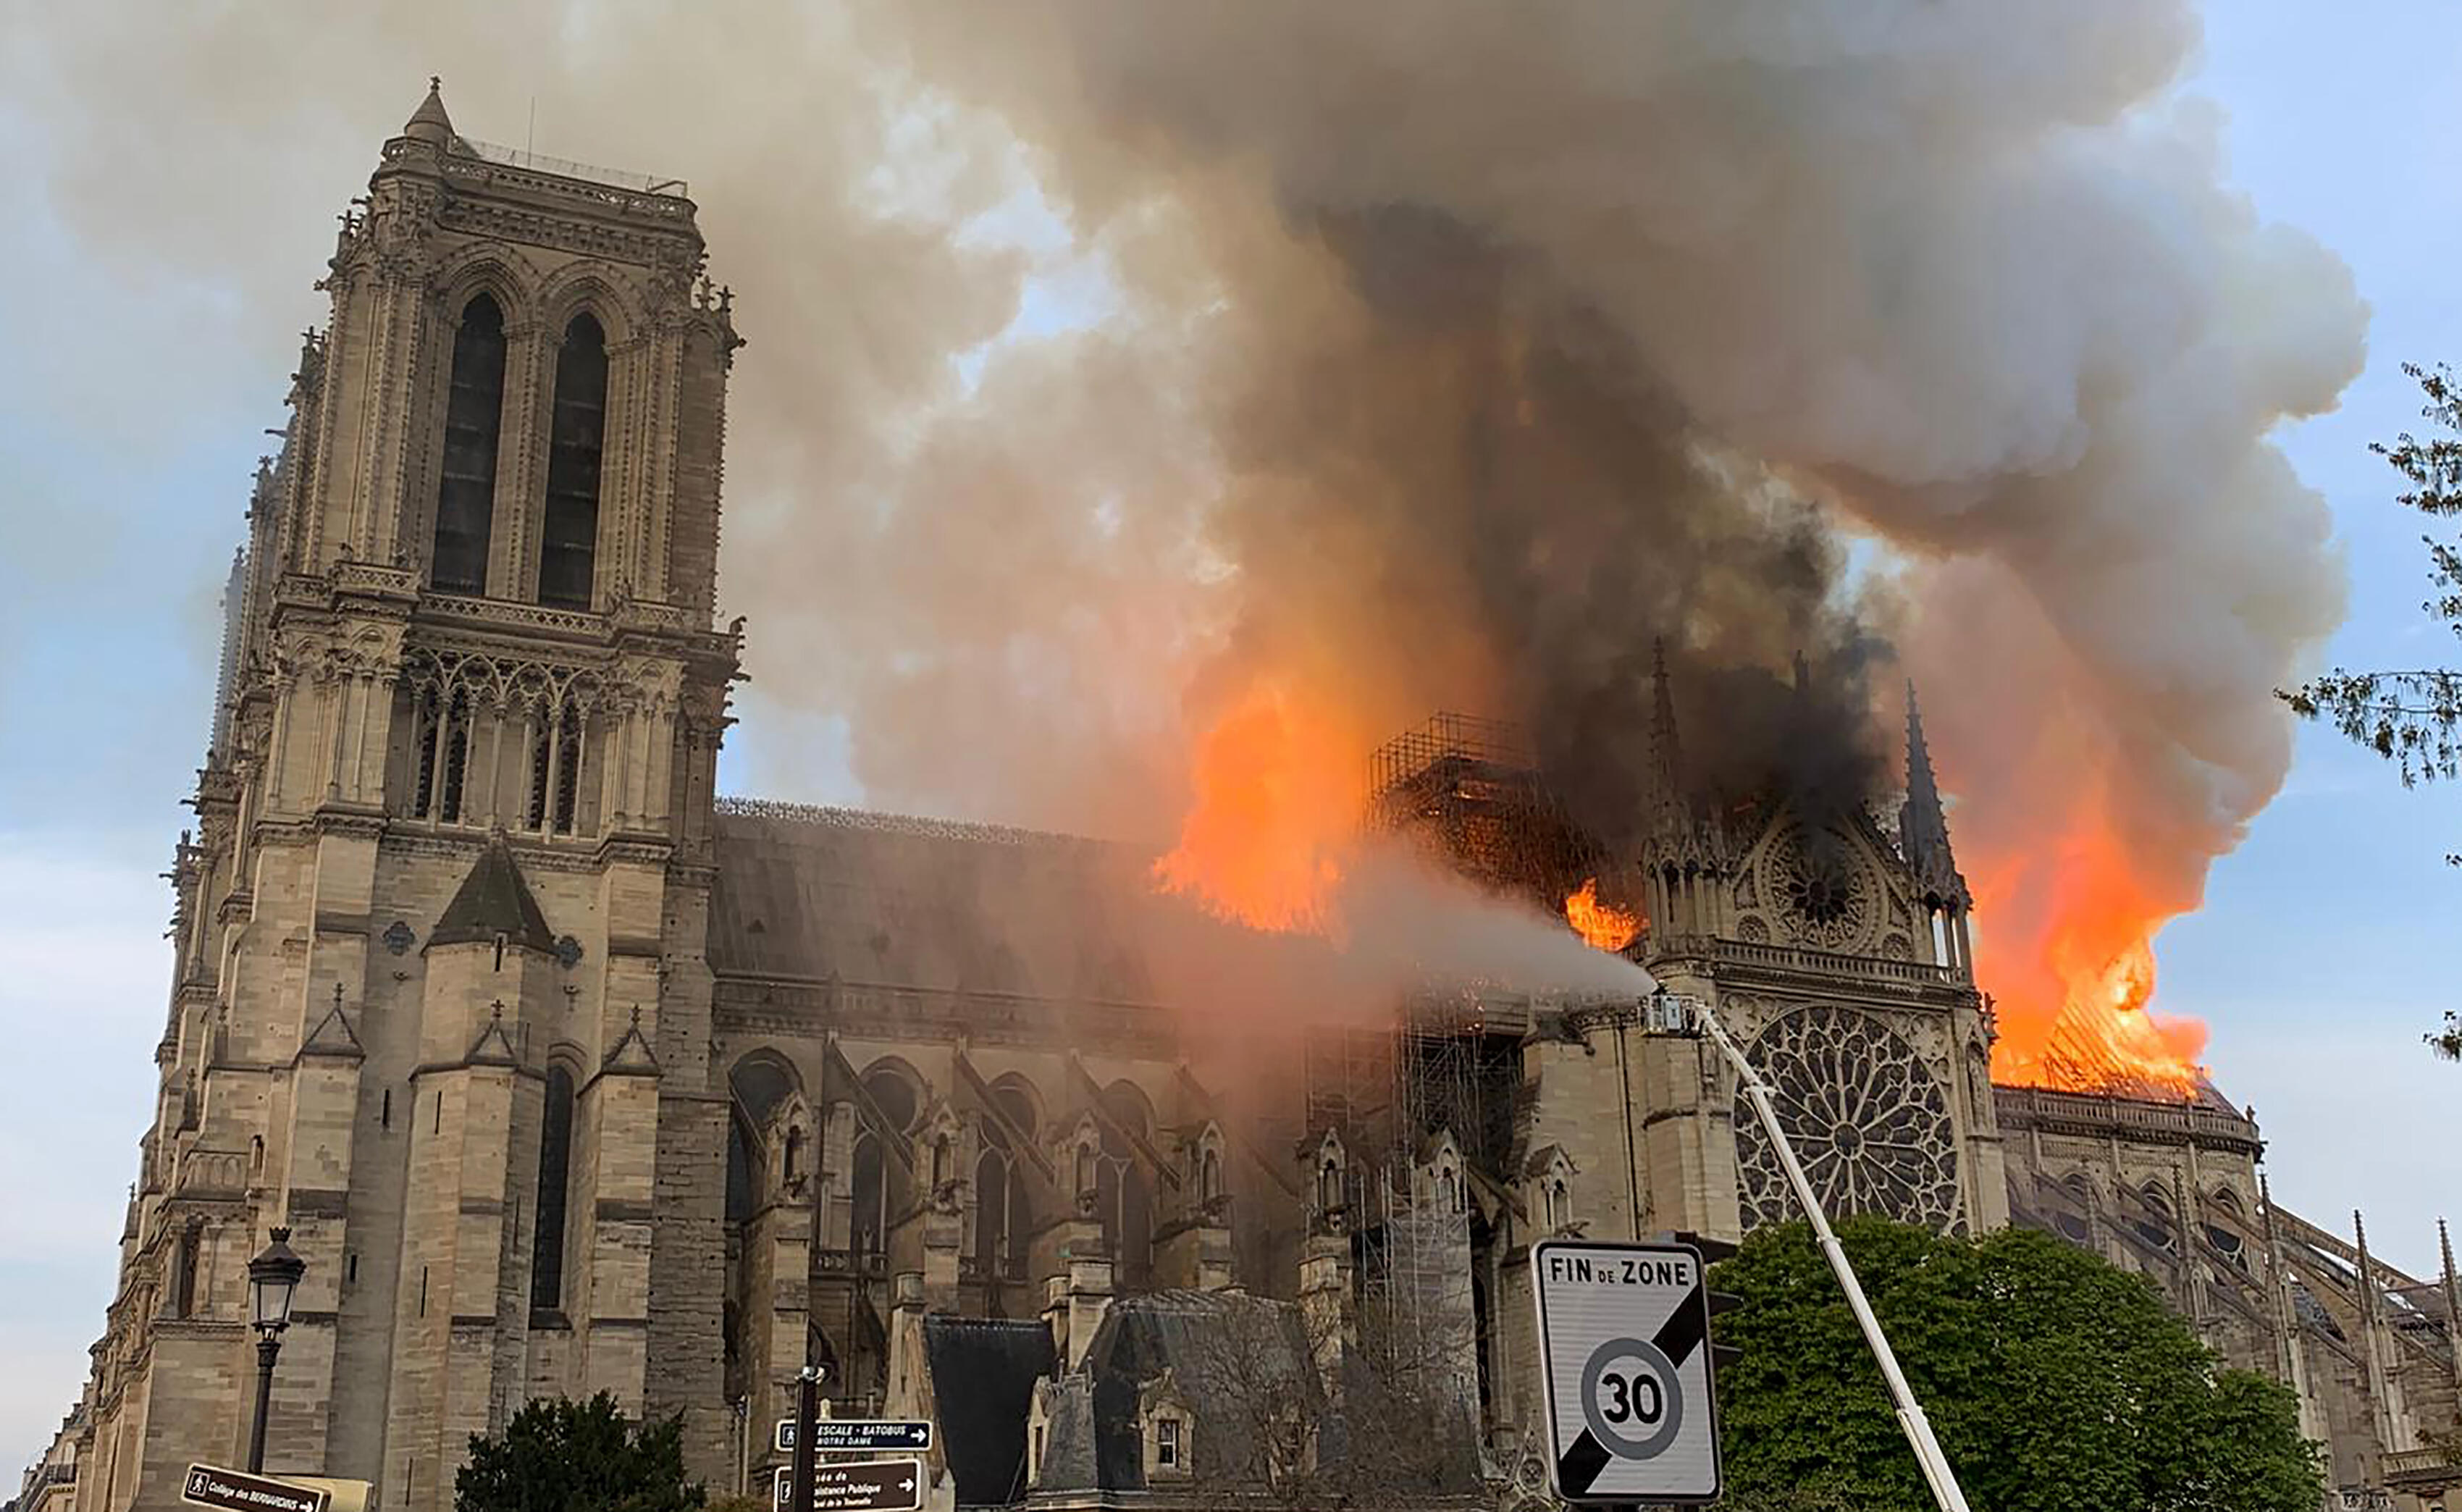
[(565, 1073)]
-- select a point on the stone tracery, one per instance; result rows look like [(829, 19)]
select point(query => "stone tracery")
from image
[(1869, 1123)]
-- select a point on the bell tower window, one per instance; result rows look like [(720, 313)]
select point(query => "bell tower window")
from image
[(568, 535), (556, 1164), (465, 497)]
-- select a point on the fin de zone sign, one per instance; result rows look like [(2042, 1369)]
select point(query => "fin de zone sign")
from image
[(207, 1487), (1624, 1350)]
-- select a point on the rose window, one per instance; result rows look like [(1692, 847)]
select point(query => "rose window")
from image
[(1827, 896), (1869, 1123)]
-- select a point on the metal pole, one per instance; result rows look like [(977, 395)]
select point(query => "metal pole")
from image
[(1943, 1481), (268, 1346), (808, 1384)]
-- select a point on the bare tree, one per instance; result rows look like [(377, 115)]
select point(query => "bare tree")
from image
[(1323, 1414)]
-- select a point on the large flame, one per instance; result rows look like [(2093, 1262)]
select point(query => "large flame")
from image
[(1600, 924), (1273, 816), (2064, 925), (2068, 956)]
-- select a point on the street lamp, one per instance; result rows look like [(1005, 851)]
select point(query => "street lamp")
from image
[(273, 1281)]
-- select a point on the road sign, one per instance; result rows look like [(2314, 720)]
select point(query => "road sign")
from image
[(1623, 1359), (857, 1435), (858, 1485), (210, 1486)]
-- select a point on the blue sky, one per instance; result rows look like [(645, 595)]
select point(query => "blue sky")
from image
[(2326, 945)]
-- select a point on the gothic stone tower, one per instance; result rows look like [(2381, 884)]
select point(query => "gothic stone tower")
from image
[(1837, 955), (440, 1003)]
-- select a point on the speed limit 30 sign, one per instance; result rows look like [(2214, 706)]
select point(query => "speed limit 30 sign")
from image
[(1624, 1352)]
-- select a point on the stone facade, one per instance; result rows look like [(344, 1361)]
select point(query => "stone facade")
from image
[(359, 1044), (568, 1075)]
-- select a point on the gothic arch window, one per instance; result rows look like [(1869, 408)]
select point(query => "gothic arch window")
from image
[(555, 1166), (577, 428), (1560, 1202), (991, 1211), (894, 1090), (1128, 1109), (944, 1159), (465, 494), (1328, 1185), (183, 1291), (556, 767), (871, 1195), (1015, 1098), (1209, 1176), (739, 1170), (1125, 1204), (2155, 1224), (442, 753), (761, 1081)]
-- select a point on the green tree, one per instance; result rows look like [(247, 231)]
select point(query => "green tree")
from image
[(561, 1455), (2413, 718), (2053, 1380)]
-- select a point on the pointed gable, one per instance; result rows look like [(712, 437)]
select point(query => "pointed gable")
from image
[(493, 900)]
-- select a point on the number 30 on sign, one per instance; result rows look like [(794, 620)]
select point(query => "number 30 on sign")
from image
[(1625, 1359)]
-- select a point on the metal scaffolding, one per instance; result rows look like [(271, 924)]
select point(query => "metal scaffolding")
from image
[(1468, 790)]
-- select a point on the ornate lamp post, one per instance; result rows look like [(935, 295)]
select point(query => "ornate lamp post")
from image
[(273, 1281)]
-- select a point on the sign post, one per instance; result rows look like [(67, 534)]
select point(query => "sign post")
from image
[(858, 1485), (1624, 1349), (211, 1486), (860, 1435)]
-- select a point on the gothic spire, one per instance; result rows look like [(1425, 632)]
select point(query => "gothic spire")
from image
[(1666, 760), (429, 122), (1923, 828)]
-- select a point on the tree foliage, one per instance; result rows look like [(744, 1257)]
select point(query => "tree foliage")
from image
[(561, 1455), (2053, 1380), (2413, 718)]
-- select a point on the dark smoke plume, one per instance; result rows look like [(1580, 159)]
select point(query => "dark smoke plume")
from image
[(1410, 355)]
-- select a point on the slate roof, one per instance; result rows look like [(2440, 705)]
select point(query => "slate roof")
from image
[(815, 893), (493, 900), (983, 1372), (1233, 1356)]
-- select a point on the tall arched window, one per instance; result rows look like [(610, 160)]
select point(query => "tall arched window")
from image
[(569, 534), (555, 765), (474, 407), (871, 1196), (555, 1163), (184, 1291), (991, 1211)]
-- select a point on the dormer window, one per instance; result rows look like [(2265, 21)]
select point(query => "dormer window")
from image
[(1163, 1411)]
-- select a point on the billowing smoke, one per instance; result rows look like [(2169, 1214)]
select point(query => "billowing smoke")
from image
[(1118, 367), (1532, 333)]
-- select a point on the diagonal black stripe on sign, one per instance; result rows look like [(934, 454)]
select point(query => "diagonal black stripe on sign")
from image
[(1580, 1464), (1682, 1331), (1583, 1462)]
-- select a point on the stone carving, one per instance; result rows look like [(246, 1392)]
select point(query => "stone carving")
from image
[(1869, 1123)]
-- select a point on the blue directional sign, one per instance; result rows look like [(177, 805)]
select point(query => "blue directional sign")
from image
[(858, 1436)]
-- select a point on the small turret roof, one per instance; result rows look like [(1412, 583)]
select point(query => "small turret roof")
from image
[(493, 900), (429, 122)]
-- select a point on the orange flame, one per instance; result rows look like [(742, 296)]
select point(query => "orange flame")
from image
[(2072, 1000), (1600, 924), (1272, 820)]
